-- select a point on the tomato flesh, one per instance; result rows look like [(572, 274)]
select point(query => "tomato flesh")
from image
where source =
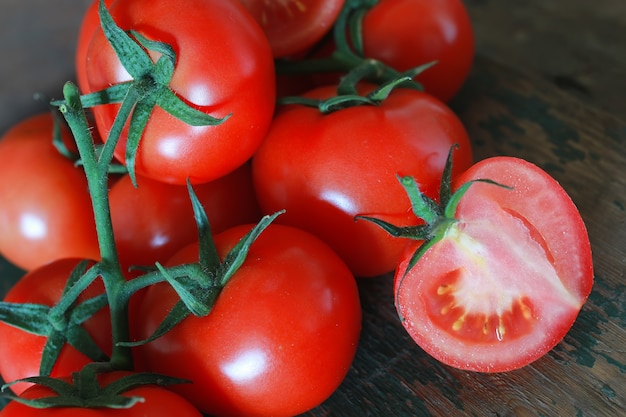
[(507, 280)]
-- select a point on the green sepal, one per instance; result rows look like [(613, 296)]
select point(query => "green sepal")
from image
[(209, 259), (177, 314), (237, 255), (130, 53), (439, 217), (198, 298), (423, 206), (59, 329), (420, 232), (138, 121), (175, 106), (161, 47)]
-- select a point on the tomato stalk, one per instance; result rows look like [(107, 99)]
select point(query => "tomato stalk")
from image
[(96, 170), (348, 56)]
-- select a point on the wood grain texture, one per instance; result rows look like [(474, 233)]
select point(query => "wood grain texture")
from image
[(577, 45)]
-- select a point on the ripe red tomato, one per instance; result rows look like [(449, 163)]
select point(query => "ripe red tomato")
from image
[(224, 66), (154, 220), (280, 338), (293, 26), (158, 402), (508, 279), (46, 211), (408, 33), (345, 163), (88, 27), (21, 351)]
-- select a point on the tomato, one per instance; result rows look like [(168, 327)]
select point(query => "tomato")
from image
[(324, 169), (293, 26), (46, 211), (509, 277), (158, 402), (280, 337), (224, 66), (408, 33), (21, 352), (154, 220), (88, 27)]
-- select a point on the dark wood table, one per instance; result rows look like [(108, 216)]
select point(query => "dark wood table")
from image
[(548, 85)]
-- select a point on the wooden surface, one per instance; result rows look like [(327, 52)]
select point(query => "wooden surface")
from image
[(548, 85)]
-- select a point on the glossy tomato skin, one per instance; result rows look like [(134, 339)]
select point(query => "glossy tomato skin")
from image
[(293, 26), (21, 351), (224, 66), (158, 402), (88, 27), (280, 338), (46, 211), (154, 220), (345, 163), (508, 280), (408, 33)]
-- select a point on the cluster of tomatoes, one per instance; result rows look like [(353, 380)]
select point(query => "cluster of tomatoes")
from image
[(360, 170)]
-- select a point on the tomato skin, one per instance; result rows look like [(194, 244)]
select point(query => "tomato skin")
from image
[(523, 252), (46, 211), (431, 30), (324, 176), (293, 26), (224, 66), (21, 351), (280, 338), (158, 402), (154, 220), (88, 27)]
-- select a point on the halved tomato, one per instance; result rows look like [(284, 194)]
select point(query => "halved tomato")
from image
[(507, 278)]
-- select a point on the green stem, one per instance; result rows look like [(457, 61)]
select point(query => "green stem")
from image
[(151, 278), (97, 180)]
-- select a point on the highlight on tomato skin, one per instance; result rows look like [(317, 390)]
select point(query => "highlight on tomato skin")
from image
[(508, 279), (45, 210), (278, 341)]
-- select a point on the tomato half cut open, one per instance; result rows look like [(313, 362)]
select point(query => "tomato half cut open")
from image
[(508, 278)]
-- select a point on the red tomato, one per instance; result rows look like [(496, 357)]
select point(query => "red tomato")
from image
[(408, 33), (224, 66), (293, 26), (21, 351), (158, 402), (46, 211), (345, 163), (154, 220), (88, 27), (507, 280), (280, 338)]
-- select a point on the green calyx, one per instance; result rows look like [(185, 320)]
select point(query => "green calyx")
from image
[(198, 285), (348, 56), (84, 390), (148, 88), (437, 217), (62, 328)]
